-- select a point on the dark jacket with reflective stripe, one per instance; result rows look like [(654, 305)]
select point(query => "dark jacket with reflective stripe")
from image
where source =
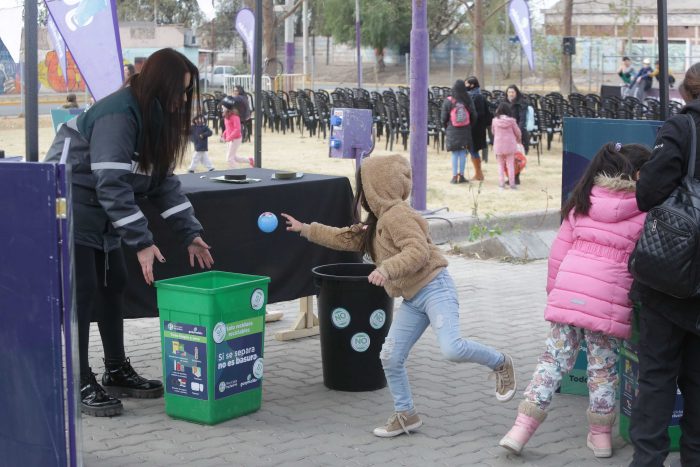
[(106, 180)]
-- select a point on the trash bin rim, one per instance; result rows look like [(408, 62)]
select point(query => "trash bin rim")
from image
[(171, 283), (339, 278)]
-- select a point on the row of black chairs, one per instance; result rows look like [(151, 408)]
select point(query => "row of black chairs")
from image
[(310, 110)]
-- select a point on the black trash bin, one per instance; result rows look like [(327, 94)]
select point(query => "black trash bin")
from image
[(354, 318)]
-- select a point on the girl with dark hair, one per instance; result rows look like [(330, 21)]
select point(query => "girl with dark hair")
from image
[(240, 95), (506, 137), (233, 134), (519, 112), (479, 127), (124, 147), (408, 264), (458, 115), (669, 328), (587, 294)]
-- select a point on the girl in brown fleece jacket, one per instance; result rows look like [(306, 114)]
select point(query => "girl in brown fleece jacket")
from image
[(411, 266)]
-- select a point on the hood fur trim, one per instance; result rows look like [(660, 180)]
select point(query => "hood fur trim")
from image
[(615, 183)]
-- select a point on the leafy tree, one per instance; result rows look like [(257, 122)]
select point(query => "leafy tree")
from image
[(185, 12), (385, 22)]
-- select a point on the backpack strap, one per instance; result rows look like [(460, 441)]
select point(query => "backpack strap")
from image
[(693, 146)]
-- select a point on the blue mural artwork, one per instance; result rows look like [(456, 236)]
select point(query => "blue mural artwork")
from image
[(8, 71)]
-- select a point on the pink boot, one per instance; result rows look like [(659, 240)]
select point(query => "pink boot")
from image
[(530, 416), (600, 433)]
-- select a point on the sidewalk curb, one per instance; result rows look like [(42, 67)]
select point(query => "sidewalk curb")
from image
[(455, 227)]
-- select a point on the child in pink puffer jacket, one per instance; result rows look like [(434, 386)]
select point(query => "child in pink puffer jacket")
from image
[(587, 294), (506, 137)]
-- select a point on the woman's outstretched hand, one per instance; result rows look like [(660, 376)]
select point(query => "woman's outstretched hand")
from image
[(376, 278), (200, 250), (293, 225), (145, 258)]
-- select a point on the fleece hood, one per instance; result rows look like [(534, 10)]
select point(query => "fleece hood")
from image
[(502, 122), (386, 181), (613, 199)]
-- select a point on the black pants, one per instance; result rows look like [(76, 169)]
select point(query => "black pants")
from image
[(669, 354), (99, 285)]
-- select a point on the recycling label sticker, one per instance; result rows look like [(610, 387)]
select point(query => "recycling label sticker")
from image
[(340, 317), (360, 342), (257, 299), (377, 319)]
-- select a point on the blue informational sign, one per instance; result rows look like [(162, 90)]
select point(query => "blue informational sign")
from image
[(239, 362), (583, 137), (185, 350)]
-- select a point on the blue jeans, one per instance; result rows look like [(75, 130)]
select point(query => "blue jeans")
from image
[(435, 304), (459, 158)]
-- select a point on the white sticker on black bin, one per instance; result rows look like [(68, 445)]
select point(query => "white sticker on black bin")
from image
[(340, 317), (360, 342), (377, 319)]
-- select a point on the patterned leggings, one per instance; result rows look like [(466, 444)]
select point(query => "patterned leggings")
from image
[(563, 344)]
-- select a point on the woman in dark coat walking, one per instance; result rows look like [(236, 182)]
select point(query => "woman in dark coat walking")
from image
[(518, 105), (479, 127), (458, 139), (669, 328)]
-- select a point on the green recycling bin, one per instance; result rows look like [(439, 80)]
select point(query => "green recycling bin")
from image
[(212, 335)]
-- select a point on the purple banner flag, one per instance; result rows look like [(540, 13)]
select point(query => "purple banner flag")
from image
[(245, 25), (91, 33), (58, 45), (519, 14)]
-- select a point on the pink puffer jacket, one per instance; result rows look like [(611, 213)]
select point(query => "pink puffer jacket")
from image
[(506, 135), (588, 281)]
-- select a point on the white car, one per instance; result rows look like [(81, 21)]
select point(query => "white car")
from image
[(217, 76)]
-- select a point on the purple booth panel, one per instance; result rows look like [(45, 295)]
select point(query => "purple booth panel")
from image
[(38, 427), (351, 133)]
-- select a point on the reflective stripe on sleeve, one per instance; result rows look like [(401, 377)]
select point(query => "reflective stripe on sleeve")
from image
[(176, 209), (127, 220), (110, 166)]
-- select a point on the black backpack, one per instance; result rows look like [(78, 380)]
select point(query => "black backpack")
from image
[(667, 255)]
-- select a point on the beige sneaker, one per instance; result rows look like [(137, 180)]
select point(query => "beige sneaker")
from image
[(398, 424), (505, 380)]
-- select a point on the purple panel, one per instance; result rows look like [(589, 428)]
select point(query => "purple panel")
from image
[(351, 133), (289, 57), (33, 428)]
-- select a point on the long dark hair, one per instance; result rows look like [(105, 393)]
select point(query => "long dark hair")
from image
[(504, 108), (460, 93), (518, 94), (367, 234), (159, 91), (612, 159)]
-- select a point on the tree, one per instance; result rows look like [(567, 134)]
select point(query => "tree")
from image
[(185, 12), (386, 22), (480, 13)]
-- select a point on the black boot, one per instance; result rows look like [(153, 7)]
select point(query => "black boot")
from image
[(95, 401), (120, 379), (517, 178)]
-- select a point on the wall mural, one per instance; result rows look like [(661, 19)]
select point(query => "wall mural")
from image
[(51, 76)]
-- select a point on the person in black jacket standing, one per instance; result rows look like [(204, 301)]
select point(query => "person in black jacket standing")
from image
[(200, 134), (458, 139), (669, 340), (124, 147), (479, 127), (518, 105)]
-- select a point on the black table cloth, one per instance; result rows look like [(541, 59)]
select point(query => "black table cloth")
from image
[(229, 214)]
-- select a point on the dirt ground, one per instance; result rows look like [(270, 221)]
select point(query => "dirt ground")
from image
[(540, 187)]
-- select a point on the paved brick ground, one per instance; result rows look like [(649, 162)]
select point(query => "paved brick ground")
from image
[(301, 423)]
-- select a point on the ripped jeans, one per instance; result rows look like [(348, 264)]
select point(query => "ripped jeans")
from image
[(435, 304)]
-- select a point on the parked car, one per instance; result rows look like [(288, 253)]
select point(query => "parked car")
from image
[(217, 76)]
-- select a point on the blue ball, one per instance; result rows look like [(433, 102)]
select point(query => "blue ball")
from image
[(267, 222)]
